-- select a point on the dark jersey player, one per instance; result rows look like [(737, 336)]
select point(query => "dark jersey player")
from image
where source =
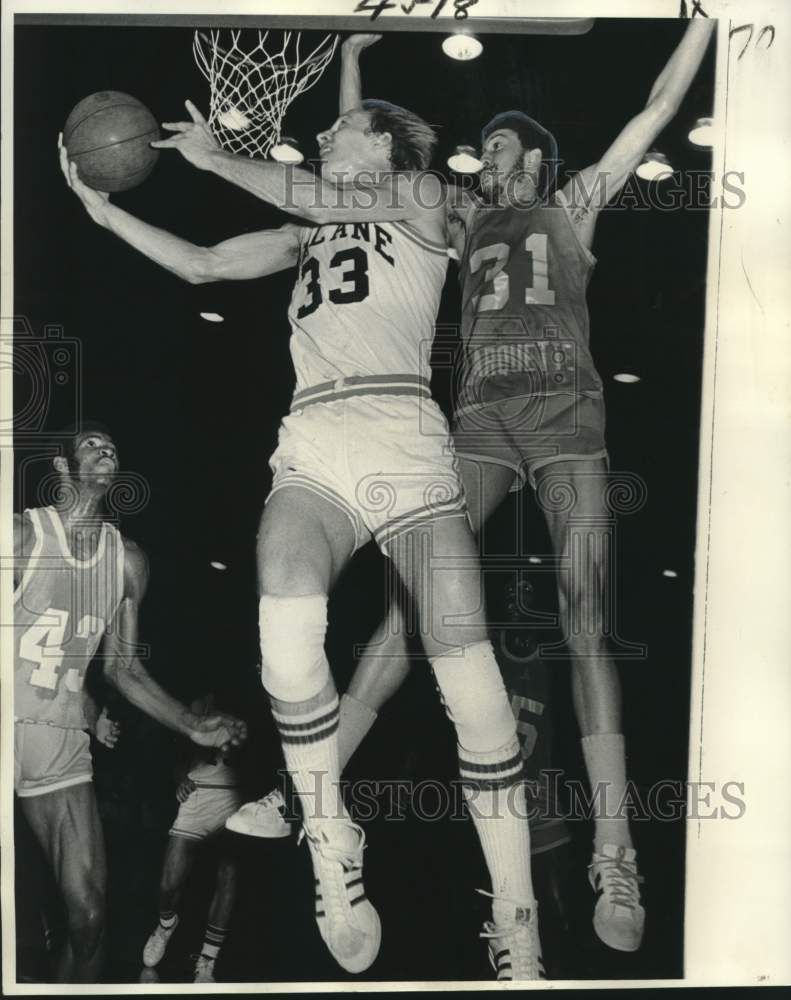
[(78, 584), (530, 407)]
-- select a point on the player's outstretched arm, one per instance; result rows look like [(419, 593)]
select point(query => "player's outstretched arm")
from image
[(251, 256), (592, 188), (125, 671), (351, 85), (397, 198)]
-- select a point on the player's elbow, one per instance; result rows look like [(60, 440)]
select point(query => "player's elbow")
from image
[(200, 266), (662, 108)]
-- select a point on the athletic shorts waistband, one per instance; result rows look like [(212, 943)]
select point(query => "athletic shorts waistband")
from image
[(362, 385)]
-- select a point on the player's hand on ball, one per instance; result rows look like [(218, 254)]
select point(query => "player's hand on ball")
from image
[(219, 730), (194, 140), (359, 42), (185, 789), (95, 202), (107, 730)]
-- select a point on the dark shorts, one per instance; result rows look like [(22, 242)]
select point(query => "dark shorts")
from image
[(527, 432)]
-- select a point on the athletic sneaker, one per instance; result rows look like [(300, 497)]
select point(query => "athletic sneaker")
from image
[(157, 943), (204, 970), (348, 923), (514, 947), (618, 918), (262, 818)]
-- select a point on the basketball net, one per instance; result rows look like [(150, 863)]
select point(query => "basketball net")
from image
[(251, 88)]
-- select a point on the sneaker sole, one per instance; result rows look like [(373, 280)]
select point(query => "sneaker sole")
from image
[(603, 935), (246, 831), (360, 965)]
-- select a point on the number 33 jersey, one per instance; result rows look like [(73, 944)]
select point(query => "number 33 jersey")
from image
[(61, 610), (525, 327), (365, 301)]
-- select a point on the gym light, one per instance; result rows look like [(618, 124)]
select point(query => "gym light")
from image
[(628, 378), (464, 161), (212, 317), (287, 151), (702, 132), (670, 573), (655, 167), (218, 565), (534, 560), (462, 47)]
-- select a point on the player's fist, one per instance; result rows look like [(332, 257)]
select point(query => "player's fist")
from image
[(95, 202), (356, 43), (107, 730), (219, 730), (185, 789)]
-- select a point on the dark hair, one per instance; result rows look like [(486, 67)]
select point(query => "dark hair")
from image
[(532, 136), (72, 435), (413, 141)]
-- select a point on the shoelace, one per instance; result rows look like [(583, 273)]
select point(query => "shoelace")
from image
[(519, 947), (334, 888), (619, 880), (271, 798)]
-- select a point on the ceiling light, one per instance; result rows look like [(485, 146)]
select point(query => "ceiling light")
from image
[(287, 151), (464, 161), (655, 167), (218, 565), (212, 317), (462, 47), (702, 132), (626, 377)]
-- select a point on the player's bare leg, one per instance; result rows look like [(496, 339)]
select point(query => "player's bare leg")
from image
[(440, 566), (67, 825), (220, 912), (385, 663), (578, 523), (180, 855), (304, 542)]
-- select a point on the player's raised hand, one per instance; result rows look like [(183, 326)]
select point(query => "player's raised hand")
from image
[(359, 42), (193, 139), (185, 789), (219, 730), (107, 730), (95, 202)]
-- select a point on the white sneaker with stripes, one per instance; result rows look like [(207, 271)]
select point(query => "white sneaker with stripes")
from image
[(514, 945), (263, 818), (347, 921), (619, 917)]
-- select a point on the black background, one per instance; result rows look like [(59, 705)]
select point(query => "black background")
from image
[(194, 408)]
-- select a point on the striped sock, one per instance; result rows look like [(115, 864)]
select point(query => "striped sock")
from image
[(213, 941), (168, 918), (495, 795), (309, 734)]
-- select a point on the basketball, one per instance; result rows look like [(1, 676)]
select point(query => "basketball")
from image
[(107, 135)]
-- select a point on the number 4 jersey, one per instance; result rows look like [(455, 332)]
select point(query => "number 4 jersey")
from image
[(525, 328), (61, 610), (365, 301)]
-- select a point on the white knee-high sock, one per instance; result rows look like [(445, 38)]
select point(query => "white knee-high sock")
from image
[(491, 770)]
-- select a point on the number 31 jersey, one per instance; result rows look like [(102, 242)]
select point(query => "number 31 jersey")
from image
[(365, 301), (525, 327), (61, 610)]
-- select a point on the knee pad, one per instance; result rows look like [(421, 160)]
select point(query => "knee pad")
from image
[(292, 631), (475, 698)]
